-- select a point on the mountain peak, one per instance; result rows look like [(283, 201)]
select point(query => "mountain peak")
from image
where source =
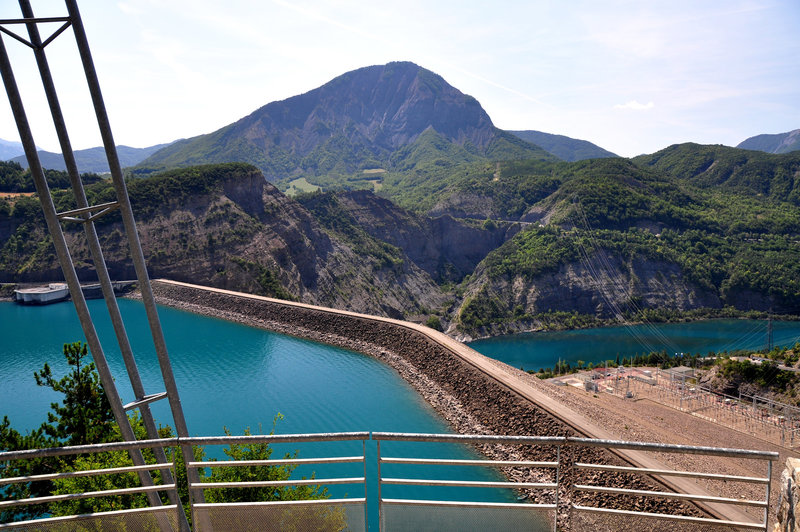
[(388, 105), (360, 117)]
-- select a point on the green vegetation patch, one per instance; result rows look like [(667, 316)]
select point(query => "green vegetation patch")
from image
[(299, 186), (763, 375), (744, 171), (270, 285), (13, 178), (531, 253), (329, 212)]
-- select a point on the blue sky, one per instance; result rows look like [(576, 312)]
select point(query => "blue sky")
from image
[(630, 76)]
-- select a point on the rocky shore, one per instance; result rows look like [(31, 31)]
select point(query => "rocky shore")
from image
[(471, 401)]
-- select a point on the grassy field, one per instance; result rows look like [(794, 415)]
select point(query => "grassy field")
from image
[(12, 197), (300, 185)]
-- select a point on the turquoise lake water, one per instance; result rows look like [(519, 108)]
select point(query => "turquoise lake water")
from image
[(533, 351), (237, 377)]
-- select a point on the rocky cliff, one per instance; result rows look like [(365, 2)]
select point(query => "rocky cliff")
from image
[(226, 226), (448, 249), (603, 286)]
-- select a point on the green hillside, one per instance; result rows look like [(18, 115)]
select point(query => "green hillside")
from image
[(744, 171), (486, 246), (616, 239), (13, 178), (415, 175)]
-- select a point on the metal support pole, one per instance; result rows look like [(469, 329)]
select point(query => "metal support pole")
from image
[(64, 258), (766, 509), (133, 239), (92, 239)]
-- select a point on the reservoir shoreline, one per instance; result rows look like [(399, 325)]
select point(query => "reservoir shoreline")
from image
[(221, 363), (468, 398)]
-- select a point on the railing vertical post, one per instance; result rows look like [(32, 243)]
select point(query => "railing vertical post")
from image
[(183, 522), (380, 497), (191, 471), (558, 486), (366, 494), (769, 484)]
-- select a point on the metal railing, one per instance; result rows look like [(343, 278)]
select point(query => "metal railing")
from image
[(410, 514), (538, 494), (703, 497), (279, 515), (157, 517)]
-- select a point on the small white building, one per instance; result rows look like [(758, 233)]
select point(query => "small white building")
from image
[(42, 295)]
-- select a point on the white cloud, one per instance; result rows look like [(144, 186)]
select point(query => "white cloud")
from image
[(634, 105)]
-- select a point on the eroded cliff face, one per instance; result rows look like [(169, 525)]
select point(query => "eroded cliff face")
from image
[(240, 236), (244, 234), (448, 249), (466, 205), (605, 287)]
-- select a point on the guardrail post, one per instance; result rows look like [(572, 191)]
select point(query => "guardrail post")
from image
[(766, 510), (558, 486), (380, 497), (366, 495)]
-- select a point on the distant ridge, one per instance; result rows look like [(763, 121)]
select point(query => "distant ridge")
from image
[(9, 149), (357, 121), (563, 147), (92, 159), (779, 143)]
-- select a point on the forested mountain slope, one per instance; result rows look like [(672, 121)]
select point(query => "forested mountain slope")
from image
[(616, 240), (484, 248), (743, 171)]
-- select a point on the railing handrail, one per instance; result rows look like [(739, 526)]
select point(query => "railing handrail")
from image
[(384, 436), (276, 438), (675, 448), (468, 438), (47, 452)]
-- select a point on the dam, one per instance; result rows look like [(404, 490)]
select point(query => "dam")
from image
[(461, 392), (474, 393)]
